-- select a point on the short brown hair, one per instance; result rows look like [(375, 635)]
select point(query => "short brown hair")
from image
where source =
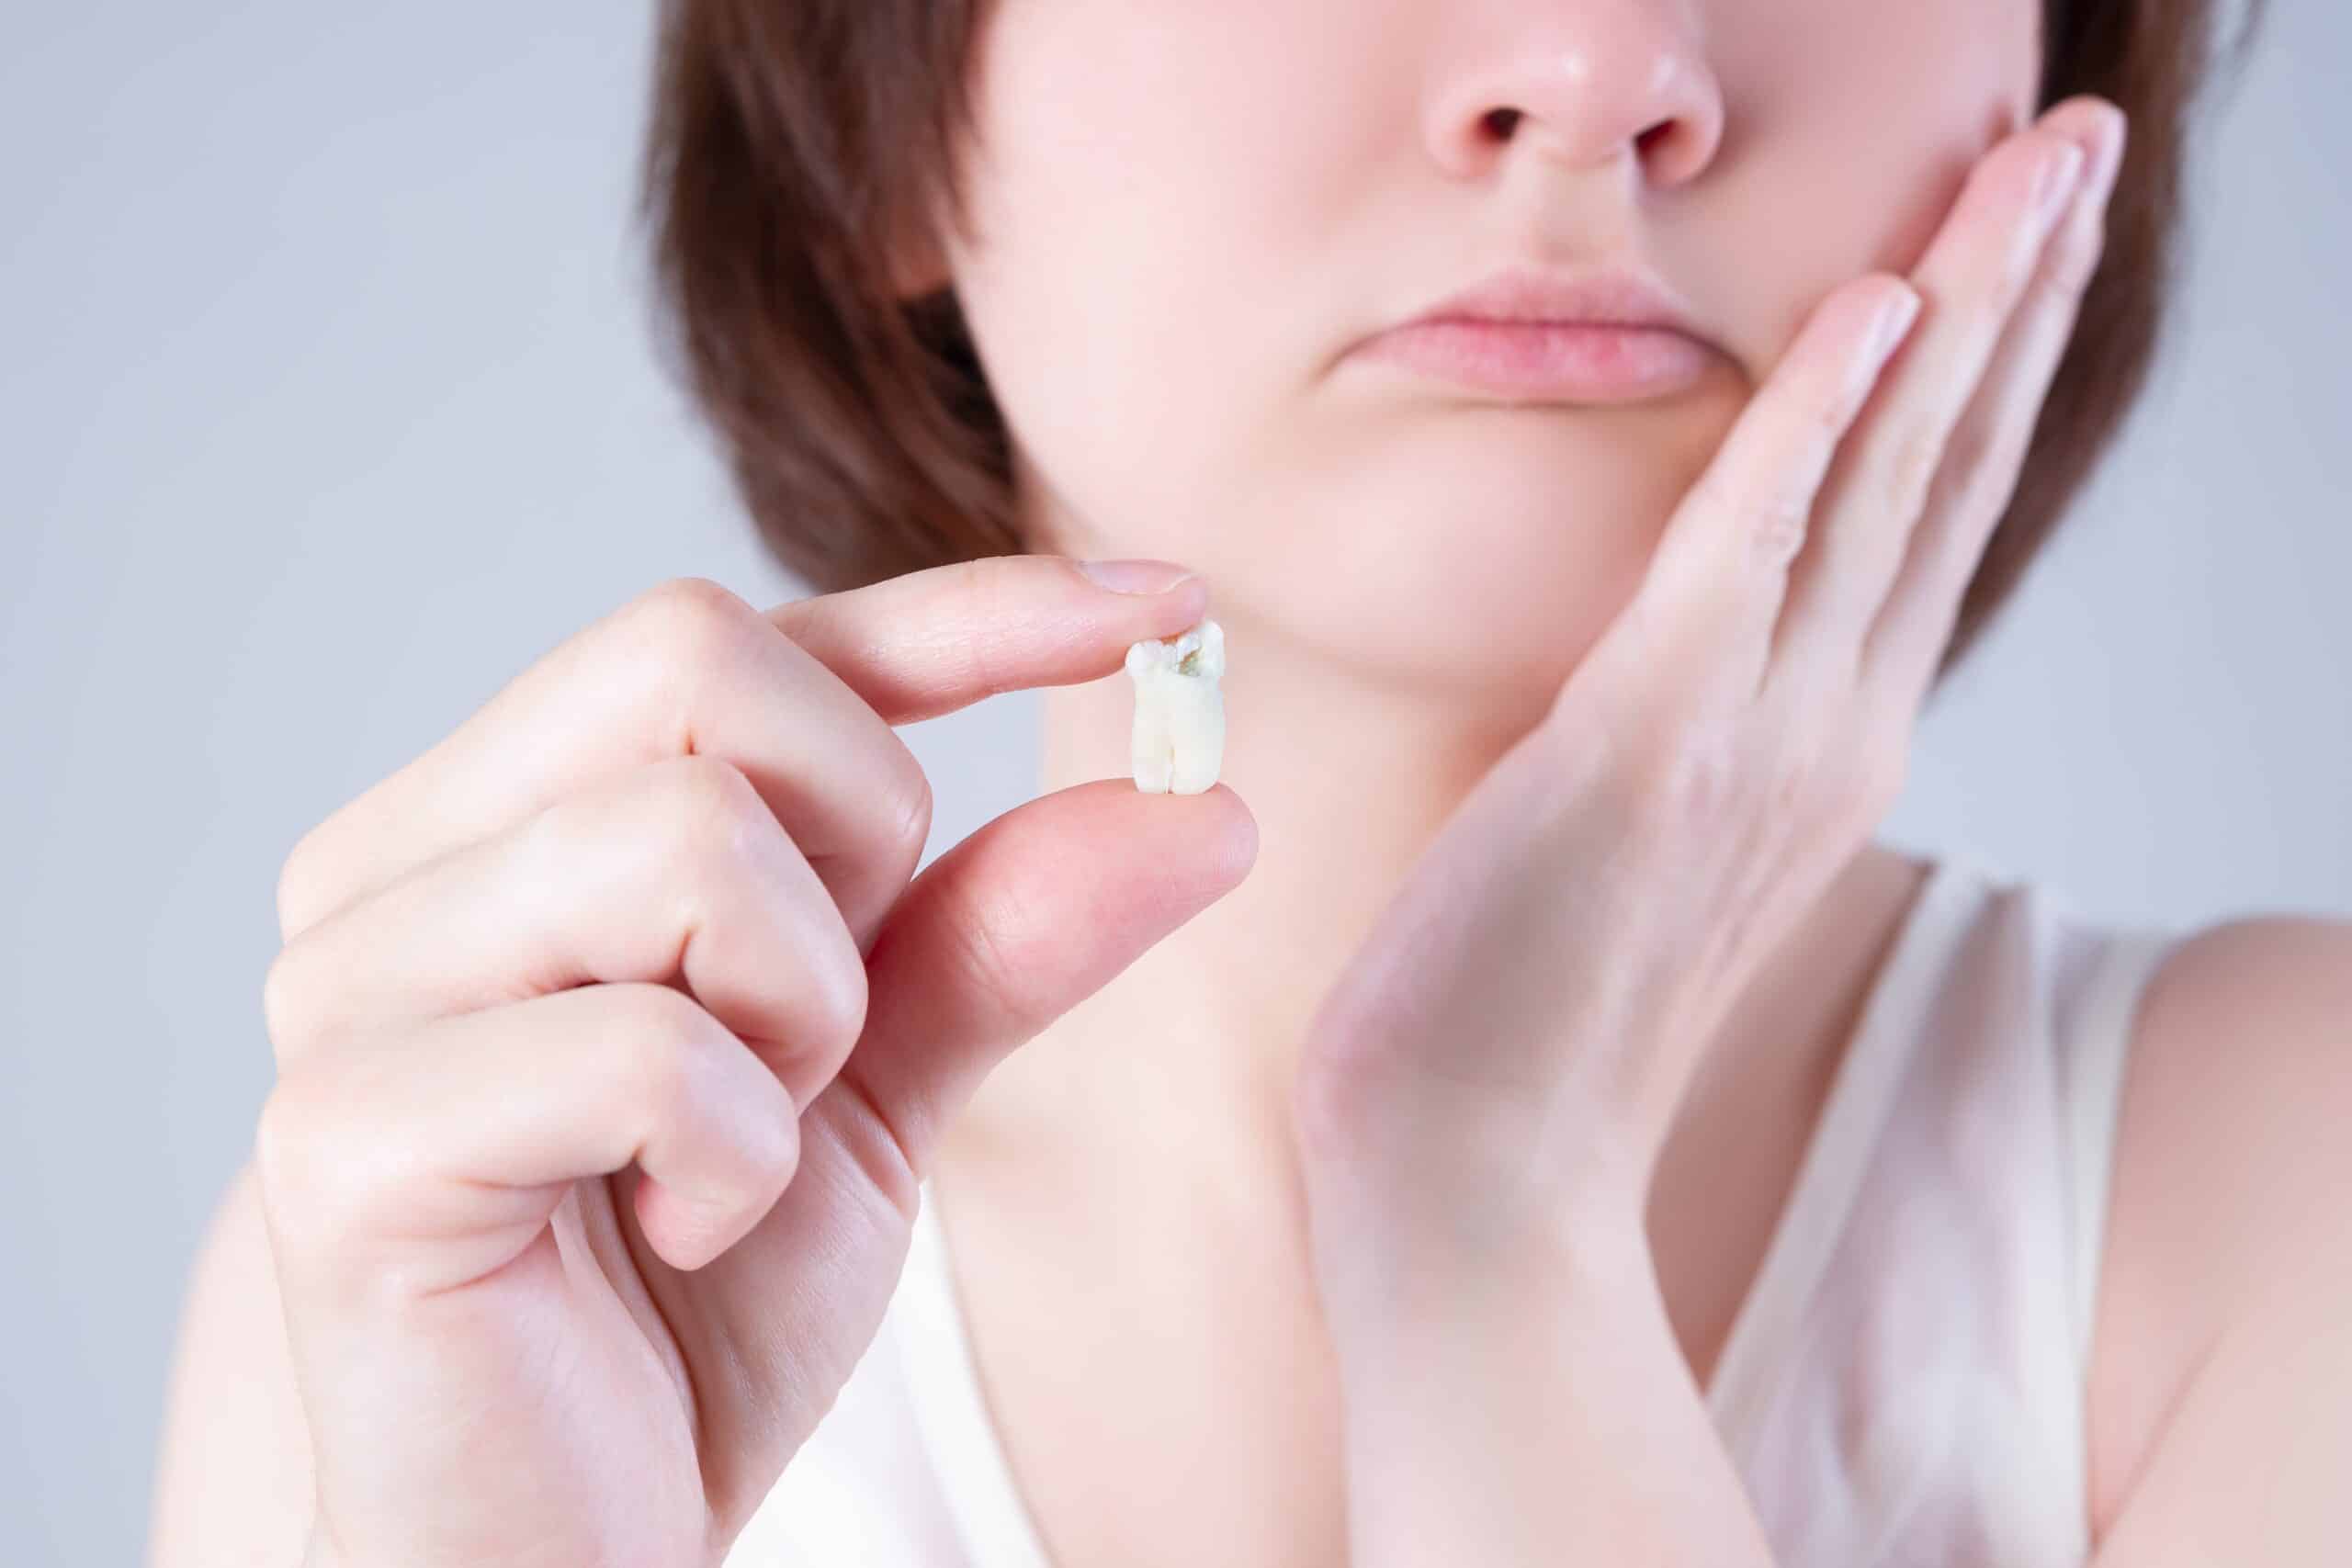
[(794, 143)]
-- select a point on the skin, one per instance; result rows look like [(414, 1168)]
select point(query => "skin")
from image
[(567, 1208)]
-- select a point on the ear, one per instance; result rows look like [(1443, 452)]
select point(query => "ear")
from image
[(912, 279), (917, 264)]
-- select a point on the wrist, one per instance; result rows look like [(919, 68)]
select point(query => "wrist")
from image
[(1397, 1287), (1582, 1293)]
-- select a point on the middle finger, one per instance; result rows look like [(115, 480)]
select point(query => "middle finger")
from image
[(675, 869)]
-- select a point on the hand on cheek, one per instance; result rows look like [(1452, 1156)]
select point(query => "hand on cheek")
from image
[(1493, 1074)]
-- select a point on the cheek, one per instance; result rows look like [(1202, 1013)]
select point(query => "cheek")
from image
[(1851, 125), (1177, 226), (1155, 197)]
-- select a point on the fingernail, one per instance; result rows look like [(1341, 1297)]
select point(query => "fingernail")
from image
[(1894, 319), (1136, 576), (2055, 179)]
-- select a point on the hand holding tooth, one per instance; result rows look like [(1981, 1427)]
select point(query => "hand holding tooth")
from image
[(641, 954)]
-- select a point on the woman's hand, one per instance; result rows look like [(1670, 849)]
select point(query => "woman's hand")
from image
[(1484, 1092), (1483, 1096), (614, 1040)]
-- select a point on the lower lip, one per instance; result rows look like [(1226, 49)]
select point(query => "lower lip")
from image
[(1555, 361)]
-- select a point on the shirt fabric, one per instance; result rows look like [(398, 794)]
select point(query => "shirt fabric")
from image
[(1903, 1382)]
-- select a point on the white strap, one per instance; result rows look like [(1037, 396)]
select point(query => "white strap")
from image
[(2094, 1063), (951, 1409)]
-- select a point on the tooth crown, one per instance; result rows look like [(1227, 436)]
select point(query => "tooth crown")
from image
[(1179, 740), (1197, 652)]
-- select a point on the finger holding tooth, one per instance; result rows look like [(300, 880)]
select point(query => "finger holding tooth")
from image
[(1180, 710)]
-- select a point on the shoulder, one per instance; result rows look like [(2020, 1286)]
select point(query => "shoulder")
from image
[(2229, 1165)]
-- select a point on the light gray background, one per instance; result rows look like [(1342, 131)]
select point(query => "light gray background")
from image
[(326, 406)]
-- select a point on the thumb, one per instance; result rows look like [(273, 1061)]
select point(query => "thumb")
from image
[(997, 938), (1022, 922)]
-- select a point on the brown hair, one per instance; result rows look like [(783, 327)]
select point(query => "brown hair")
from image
[(794, 144)]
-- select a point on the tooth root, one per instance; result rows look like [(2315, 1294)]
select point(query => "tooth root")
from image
[(1178, 745), (1154, 756), (1196, 734)]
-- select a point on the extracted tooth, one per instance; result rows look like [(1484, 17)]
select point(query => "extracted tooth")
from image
[(1180, 710)]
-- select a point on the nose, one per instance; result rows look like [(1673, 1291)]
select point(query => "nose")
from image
[(1583, 82)]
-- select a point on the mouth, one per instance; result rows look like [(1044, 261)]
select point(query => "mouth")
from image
[(1530, 335), (1574, 362)]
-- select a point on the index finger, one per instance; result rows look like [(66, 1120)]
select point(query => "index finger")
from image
[(802, 697)]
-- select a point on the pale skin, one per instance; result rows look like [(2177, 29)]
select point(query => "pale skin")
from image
[(1220, 1153)]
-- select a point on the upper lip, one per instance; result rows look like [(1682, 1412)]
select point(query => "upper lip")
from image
[(1593, 296)]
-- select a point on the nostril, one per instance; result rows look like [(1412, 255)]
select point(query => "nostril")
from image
[(1646, 142), (1501, 122)]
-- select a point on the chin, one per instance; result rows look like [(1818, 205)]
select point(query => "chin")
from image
[(1470, 615)]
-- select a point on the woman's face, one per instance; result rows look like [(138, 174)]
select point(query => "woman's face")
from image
[(1187, 212)]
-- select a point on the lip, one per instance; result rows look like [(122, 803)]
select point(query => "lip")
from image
[(1524, 334)]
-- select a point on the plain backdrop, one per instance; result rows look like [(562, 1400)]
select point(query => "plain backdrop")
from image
[(327, 404)]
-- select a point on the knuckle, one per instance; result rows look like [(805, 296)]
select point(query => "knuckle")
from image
[(772, 1143), (833, 990), (302, 1184), (686, 609), (666, 1045), (1820, 430), (1777, 525), (293, 890), (1685, 778), (1827, 416), (1773, 518), (846, 993), (302, 892), (282, 1008), (689, 625), (280, 1140), (324, 1186), (714, 816), (719, 834)]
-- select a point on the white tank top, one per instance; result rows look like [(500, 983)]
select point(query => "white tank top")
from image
[(1903, 1383)]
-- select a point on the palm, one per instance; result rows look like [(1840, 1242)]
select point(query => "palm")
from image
[(574, 1435), (595, 1405)]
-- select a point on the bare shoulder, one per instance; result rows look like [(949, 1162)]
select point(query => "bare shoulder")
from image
[(2231, 1170)]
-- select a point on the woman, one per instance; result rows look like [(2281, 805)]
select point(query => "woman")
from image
[(1539, 1124)]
